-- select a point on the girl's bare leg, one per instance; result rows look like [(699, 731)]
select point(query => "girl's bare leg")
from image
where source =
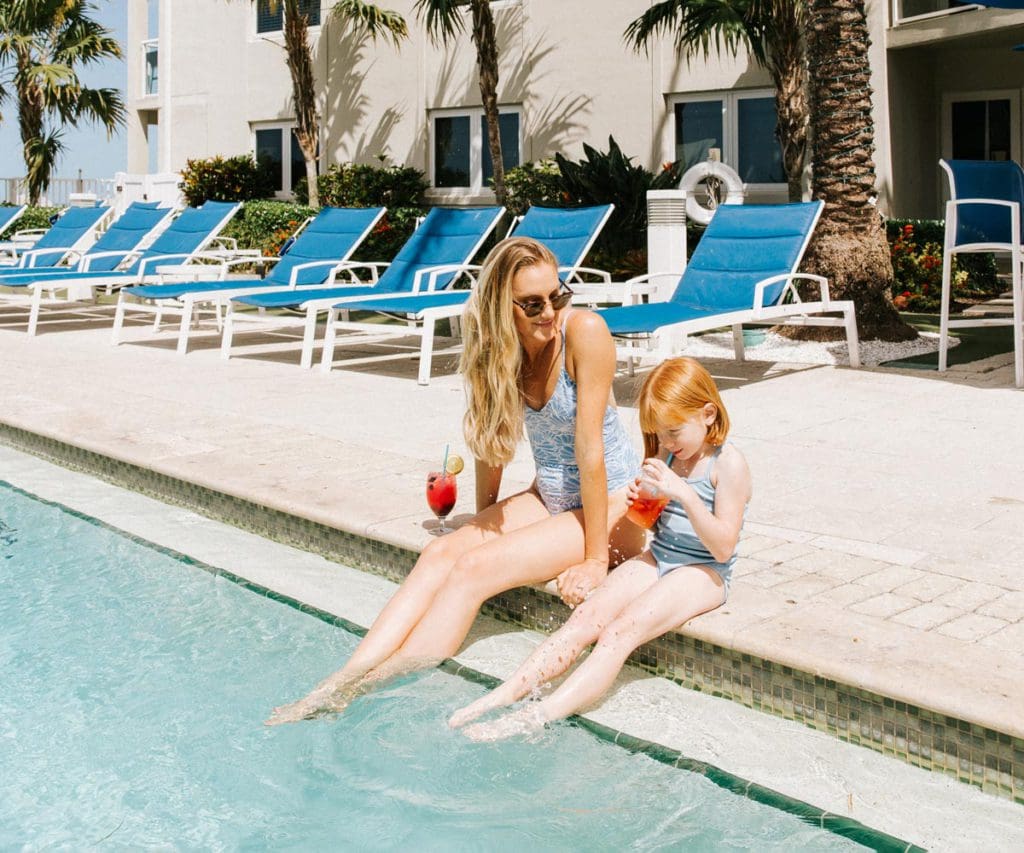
[(412, 599), (559, 651), (528, 555), (674, 599)]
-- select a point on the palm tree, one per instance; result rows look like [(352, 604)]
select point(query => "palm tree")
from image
[(444, 22), (364, 18), (42, 42), (771, 30), (850, 247)]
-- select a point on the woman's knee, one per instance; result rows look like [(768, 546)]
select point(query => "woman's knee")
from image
[(435, 563), (618, 638)]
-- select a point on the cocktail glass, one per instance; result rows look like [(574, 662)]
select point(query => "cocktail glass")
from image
[(442, 493), (646, 509)]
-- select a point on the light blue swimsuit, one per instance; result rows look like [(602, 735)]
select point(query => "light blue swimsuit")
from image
[(552, 433), (677, 544)]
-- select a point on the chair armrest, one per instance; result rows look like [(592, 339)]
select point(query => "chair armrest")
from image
[(160, 259), (433, 273), (348, 266), (335, 265), (30, 257), (574, 274), (760, 287), (125, 255)]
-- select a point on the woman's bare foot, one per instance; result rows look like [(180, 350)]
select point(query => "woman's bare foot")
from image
[(323, 700), (473, 710)]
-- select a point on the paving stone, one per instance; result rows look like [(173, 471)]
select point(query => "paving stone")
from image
[(873, 550), (786, 551), (745, 566), (843, 567), (749, 545), (1010, 638), (770, 577), (971, 626), (884, 605), (930, 586), (890, 578), (805, 587), (971, 596), (927, 616), (1009, 607), (844, 595)]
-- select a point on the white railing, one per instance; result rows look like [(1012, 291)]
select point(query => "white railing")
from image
[(59, 193), (904, 11)]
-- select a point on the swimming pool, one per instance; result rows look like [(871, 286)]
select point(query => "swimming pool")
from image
[(134, 686)]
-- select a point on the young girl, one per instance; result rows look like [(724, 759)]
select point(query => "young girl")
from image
[(530, 361), (685, 571)]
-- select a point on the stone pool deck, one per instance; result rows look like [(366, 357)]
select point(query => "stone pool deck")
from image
[(884, 547)]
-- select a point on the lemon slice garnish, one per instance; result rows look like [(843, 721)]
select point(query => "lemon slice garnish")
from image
[(455, 465)]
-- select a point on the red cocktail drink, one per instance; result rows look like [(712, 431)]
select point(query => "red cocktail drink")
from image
[(441, 495), (645, 510)]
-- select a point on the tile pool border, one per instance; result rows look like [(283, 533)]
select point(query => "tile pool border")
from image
[(805, 812), (969, 752)]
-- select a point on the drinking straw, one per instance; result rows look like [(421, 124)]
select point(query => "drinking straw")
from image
[(444, 464)]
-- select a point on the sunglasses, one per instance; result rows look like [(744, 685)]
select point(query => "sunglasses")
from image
[(533, 307)]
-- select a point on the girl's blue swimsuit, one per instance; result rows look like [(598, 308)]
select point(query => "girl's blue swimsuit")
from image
[(677, 544), (552, 433)]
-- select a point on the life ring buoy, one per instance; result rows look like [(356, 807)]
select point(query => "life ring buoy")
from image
[(696, 175)]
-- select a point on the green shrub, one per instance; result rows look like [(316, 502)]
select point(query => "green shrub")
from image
[(530, 184), (390, 234), (361, 185), (238, 178), (916, 250), (31, 217), (265, 225), (611, 177)]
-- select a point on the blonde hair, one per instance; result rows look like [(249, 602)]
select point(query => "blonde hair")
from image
[(675, 389), (492, 356)]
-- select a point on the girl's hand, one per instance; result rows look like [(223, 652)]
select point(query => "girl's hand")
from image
[(657, 475), (632, 491), (577, 582)]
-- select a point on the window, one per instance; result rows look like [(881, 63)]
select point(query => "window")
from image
[(981, 125), (460, 155), (272, 21), (270, 143), (739, 126)]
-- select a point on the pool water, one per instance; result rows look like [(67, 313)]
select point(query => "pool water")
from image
[(133, 689)]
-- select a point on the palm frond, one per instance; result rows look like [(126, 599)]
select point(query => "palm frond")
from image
[(443, 19), (700, 26), (371, 20)]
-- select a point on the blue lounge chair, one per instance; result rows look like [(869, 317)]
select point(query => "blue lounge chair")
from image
[(569, 233), (320, 245), (742, 271), (432, 258), (983, 214), (182, 240), (74, 229)]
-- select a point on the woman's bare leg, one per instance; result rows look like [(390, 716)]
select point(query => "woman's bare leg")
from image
[(559, 651), (528, 555), (674, 599), (412, 599)]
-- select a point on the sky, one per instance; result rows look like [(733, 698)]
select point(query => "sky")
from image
[(86, 148)]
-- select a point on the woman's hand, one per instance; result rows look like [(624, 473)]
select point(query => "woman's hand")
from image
[(657, 475), (632, 491), (577, 582)]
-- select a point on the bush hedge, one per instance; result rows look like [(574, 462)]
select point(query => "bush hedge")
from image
[(31, 217), (915, 246), (362, 185), (238, 178)]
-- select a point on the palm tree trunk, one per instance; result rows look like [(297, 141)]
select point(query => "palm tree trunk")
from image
[(788, 67), (307, 119), (486, 42), (849, 248)]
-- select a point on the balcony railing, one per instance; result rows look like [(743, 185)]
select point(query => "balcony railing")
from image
[(58, 194), (904, 11), (151, 66)]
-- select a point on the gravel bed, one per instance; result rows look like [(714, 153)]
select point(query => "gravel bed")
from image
[(776, 348)]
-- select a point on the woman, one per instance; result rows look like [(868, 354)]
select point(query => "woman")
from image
[(529, 359)]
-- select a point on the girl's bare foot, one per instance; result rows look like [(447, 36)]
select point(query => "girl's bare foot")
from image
[(473, 710), (526, 720)]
